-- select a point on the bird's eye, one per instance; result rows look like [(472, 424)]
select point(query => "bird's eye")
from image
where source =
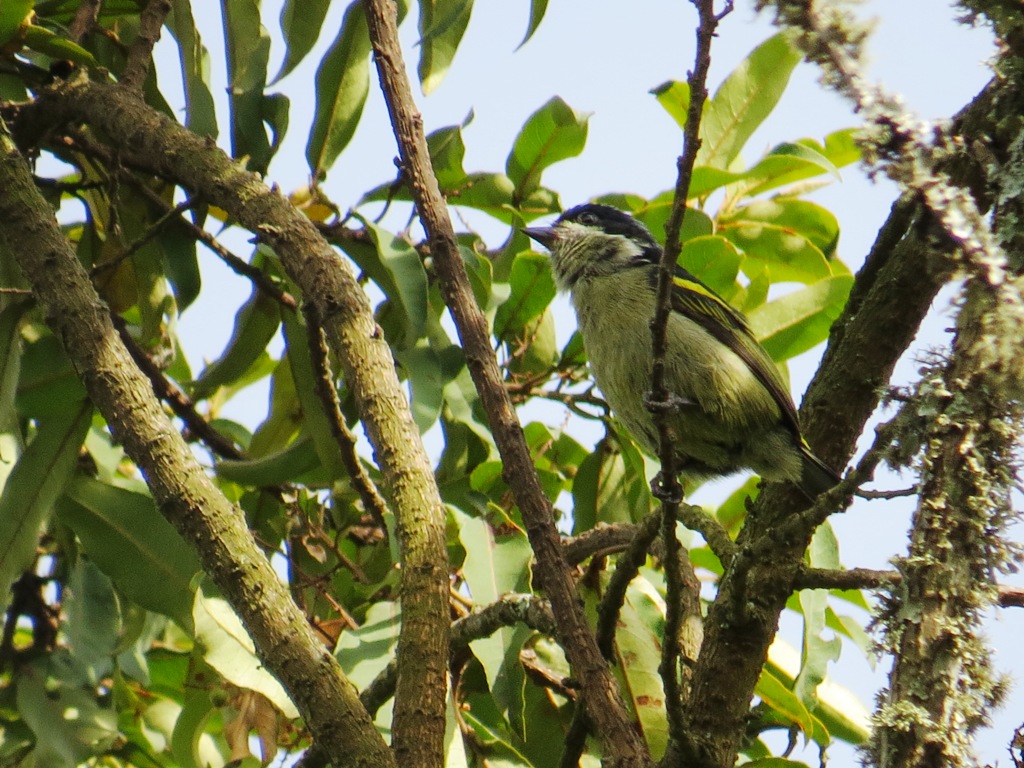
[(588, 218)]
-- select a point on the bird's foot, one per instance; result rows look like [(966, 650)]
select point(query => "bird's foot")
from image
[(670, 404), (667, 490)]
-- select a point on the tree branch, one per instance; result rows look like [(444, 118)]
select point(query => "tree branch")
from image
[(622, 742), (285, 643), (140, 54)]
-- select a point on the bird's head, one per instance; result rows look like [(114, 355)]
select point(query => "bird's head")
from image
[(592, 240)]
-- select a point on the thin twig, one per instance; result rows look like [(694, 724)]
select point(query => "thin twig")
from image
[(670, 491), (328, 396), (176, 398), (623, 745), (140, 53)]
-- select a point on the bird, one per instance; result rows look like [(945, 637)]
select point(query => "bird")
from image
[(731, 408)]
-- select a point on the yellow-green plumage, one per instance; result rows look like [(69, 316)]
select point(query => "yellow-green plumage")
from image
[(734, 412)]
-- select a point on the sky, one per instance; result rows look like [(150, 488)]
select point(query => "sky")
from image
[(603, 57)]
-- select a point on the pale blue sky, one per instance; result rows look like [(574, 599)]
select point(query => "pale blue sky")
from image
[(603, 57)]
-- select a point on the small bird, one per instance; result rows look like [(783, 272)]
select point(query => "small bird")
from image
[(732, 407)]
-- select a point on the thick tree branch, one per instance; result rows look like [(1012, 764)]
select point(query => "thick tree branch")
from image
[(287, 646), (623, 745), (367, 365)]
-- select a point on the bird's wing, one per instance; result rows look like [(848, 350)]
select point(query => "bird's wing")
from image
[(693, 299)]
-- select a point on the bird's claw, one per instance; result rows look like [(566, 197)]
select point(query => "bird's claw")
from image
[(670, 404), (667, 491)]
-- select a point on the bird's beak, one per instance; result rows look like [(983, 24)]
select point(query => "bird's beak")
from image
[(546, 236)]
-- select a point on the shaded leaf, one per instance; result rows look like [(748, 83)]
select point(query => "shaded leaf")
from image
[(301, 21), (133, 544), (342, 83), (33, 485), (200, 111)]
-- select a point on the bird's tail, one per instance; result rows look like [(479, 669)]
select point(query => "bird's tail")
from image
[(816, 476)]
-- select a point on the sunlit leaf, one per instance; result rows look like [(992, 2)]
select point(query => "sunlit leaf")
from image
[(745, 99), (674, 96), (442, 24), (800, 320), (552, 133), (537, 10)]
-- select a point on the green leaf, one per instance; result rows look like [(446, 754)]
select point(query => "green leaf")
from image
[(817, 225), (447, 151), (498, 557), (777, 170), (552, 133), (33, 485), (654, 214), (714, 260), (442, 25), (256, 323), (533, 289), (93, 623), (301, 21), (787, 256), (48, 384), (777, 695), (537, 10), (283, 466), (200, 110), (13, 13), (398, 270), (800, 320), (228, 648), (423, 369), (70, 727), (364, 652), (133, 544), (638, 634), (46, 42), (674, 96), (744, 100), (248, 49), (315, 421), (342, 83)]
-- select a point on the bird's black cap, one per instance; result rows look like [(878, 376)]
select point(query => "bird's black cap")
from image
[(611, 220)]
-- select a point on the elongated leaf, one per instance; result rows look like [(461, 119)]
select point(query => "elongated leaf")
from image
[(32, 487), (248, 49), (256, 323), (422, 367), (638, 647), (342, 83), (537, 10), (442, 25), (744, 100), (800, 320), (283, 466), (714, 260), (777, 695), (315, 421), (301, 21), (47, 383), (94, 620), (200, 111), (552, 133), (229, 649), (46, 42), (497, 561), (133, 544), (398, 270), (777, 170)]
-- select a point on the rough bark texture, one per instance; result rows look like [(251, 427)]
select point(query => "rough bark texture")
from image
[(174, 153), (284, 641), (622, 742)]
